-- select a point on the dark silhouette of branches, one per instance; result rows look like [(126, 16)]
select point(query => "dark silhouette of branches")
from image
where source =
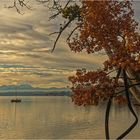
[(59, 33), (53, 5), (71, 12), (129, 106), (127, 94), (61, 10), (58, 8), (108, 111), (17, 4), (72, 32)]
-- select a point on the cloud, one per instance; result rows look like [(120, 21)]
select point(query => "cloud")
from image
[(37, 76), (25, 49)]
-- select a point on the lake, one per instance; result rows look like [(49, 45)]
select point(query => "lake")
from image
[(58, 118)]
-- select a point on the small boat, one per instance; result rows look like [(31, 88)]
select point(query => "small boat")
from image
[(16, 100)]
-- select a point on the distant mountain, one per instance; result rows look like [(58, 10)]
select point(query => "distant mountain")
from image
[(28, 90), (14, 87), (28, 87)]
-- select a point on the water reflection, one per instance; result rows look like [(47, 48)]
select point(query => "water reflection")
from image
[(57, 117)]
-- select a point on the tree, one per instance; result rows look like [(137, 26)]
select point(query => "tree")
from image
[(106, 26), (109, 26)]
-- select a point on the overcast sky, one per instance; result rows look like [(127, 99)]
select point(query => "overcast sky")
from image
[(25, 46)]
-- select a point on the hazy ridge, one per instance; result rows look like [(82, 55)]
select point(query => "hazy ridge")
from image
[(28, 90)]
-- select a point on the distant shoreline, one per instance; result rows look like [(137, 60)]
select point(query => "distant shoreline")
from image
[(37, 93)]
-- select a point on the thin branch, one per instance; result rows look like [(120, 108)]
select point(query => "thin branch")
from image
[(59, 10), (53, 33), (72, 32), (111, 72), (23, 4), (134, 85), (129, 78), (60, 32), (54, 16), (67, 3), (119, 92), (15, 6), (19, 3)]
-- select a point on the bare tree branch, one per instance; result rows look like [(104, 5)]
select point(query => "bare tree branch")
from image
[(54, 33), (59, 10), (56, 6), (72, 32), (20, 3), (60, 32)]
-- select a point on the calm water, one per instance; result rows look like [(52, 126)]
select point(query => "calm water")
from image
[(58, 118)]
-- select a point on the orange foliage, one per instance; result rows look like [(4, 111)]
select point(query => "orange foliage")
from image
[(109, 26), (93, 86)]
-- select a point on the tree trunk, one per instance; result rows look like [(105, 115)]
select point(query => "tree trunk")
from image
[(135, 90)]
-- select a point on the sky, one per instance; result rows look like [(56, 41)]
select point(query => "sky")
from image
[(25, 48)]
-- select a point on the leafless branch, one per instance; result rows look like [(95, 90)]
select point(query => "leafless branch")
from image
[(54, 33), (56, 6), (60, 32), (20, 3), (72, 32), (59, 10)]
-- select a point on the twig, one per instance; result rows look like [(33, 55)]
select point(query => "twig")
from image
[(59, 10), (72, 32), (15, 6), (111, 72), (53, 33), (20, 3)]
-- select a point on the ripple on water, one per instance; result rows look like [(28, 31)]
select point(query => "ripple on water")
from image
[(57, 117)]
